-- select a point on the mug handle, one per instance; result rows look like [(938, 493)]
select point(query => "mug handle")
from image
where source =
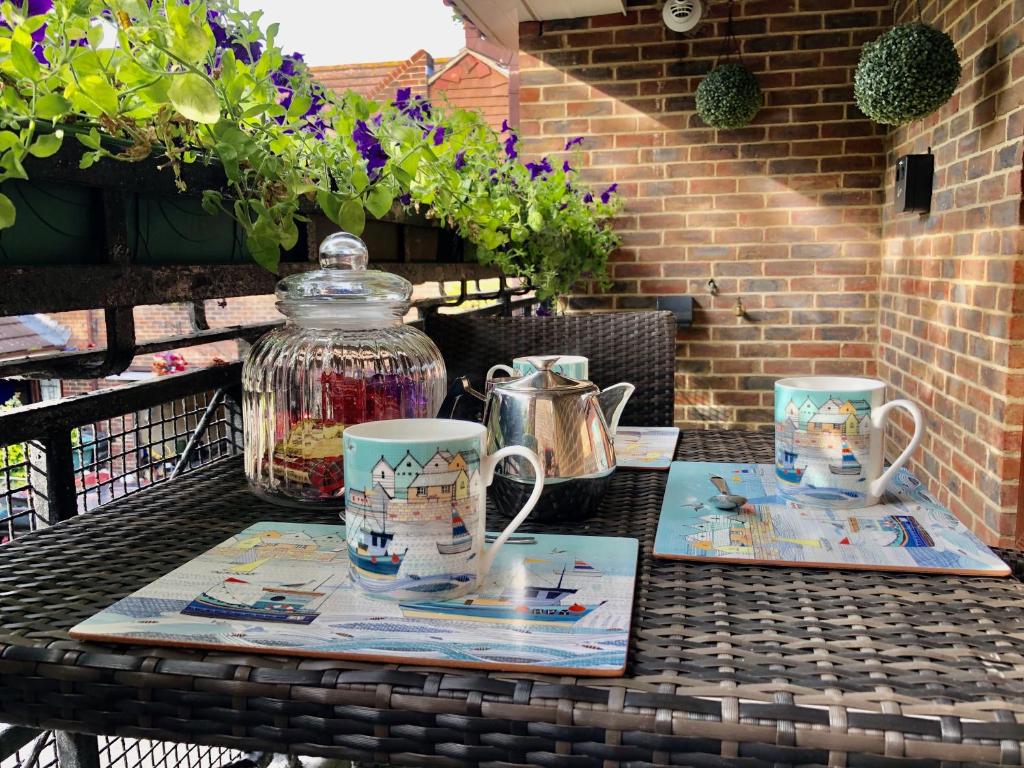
[(488, 465), (879, 417), (499, 367)]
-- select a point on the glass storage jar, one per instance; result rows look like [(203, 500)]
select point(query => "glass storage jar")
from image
[(343, 356)]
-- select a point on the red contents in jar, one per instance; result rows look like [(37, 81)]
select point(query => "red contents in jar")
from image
[(343, 399)]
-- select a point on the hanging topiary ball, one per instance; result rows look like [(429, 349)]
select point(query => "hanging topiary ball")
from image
[(906, 74), (729, 96)]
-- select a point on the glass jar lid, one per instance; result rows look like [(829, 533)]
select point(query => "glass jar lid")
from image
[(343, 279)]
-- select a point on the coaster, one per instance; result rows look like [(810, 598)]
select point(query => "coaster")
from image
[(550, 604), (908, 531), (645, 447)]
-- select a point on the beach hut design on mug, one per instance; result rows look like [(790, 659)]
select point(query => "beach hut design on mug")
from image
[(441, 488), (821, 439)]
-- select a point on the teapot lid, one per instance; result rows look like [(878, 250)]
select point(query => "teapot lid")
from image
[(343, 278), (547, 380)]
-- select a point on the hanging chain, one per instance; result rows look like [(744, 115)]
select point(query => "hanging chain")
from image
[(896, 12), (730, 44)]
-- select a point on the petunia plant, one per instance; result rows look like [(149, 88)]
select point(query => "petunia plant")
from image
[(199, 81)]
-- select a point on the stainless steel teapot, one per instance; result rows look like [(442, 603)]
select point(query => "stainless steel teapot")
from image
[(571, 426)]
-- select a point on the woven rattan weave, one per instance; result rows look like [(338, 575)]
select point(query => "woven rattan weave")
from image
[(728, 664)]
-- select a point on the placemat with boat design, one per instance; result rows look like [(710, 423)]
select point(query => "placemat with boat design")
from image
[(551, 603), (645, 447), (908, 531)]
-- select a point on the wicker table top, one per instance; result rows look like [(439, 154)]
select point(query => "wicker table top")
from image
[(728, 664)]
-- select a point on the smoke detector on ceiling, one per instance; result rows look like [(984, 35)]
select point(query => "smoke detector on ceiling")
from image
[(682, 15)]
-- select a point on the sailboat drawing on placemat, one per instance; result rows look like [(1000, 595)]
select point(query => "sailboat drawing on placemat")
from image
[(236, 598)]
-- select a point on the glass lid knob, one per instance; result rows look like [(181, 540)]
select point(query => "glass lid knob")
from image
[(343, 251)]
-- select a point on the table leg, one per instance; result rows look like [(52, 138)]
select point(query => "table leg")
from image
[(77, 750)]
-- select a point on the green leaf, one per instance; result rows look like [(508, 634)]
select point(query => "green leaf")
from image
[(191, 41), (91, 139), (352, 217), (195, 98), (379, 200), (360, 180), (212, 201), (264, 252), (330, 205), (52, 105), (24, 61), (535, 220), (46, 144), (98, 93), (7, 212)]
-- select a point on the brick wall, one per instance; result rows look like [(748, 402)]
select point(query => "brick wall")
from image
[(792, 215), (951, 281), (783, 214)]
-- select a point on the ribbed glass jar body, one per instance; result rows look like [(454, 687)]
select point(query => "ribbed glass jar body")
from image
[(305, 382)]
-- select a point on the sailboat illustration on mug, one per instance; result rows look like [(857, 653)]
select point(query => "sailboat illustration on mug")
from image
[(848, 463), (462, 539), (785, 459), (372, 556)]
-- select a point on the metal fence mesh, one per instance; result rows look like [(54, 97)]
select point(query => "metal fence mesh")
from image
[(115, 752), (117, 456)]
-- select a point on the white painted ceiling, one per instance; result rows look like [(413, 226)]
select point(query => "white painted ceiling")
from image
[(499, 19)]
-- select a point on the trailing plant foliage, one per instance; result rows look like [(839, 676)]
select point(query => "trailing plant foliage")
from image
[(200, 82), (906, 74), (729, 96)]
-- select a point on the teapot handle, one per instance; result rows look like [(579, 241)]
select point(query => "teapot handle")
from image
[(459, 389)]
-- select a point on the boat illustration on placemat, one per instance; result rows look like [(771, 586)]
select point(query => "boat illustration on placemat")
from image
[(236, 598), (530, 605), (462, 539)]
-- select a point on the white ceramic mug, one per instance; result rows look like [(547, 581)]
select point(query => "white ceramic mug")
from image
[(415, 506), (573, 366), (830, 440)]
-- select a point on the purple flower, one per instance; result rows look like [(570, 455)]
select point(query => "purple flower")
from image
[(536, 169), (504, 126), (607, 194), (439, 135), (460, 160), (246, 53), (573, 142), (588, 198), (37, 7), (220, 35), (510, 146), (402, 97), (377, 119), (405, 199), (566, 167), (422, 104), (369, 147), (37, 51)]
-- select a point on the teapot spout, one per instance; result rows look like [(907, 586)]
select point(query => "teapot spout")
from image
[(612, 400)]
